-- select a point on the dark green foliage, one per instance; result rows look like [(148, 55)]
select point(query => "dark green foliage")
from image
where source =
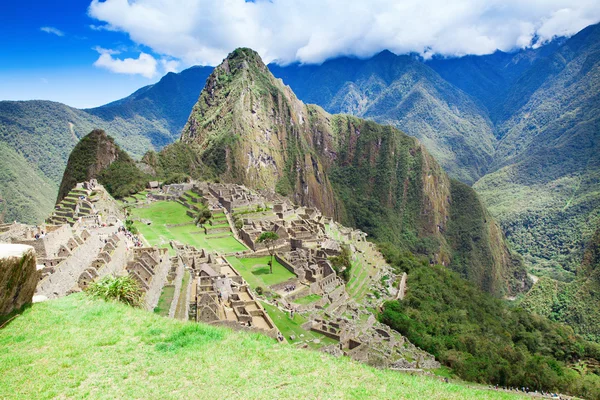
[(123, 289), (123, 178), (83, 161), (129, 224), (342, 264), (469, 237), (576, 303), (203, 215), (383, 198), (481, 338)]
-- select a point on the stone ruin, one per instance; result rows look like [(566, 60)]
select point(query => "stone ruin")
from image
[(219, 295)]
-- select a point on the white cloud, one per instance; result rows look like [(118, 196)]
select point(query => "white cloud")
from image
[(169, 65), (204, 31), (52, 30), (144, 65), (102, 50)]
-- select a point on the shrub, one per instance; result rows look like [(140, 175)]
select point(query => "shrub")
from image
[(123, 289)]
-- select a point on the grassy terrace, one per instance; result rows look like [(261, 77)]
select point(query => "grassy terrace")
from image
[(164, 302), (256, 271), (163, 213), (182, 301), (311, 298), (289, 327), (75, 347)]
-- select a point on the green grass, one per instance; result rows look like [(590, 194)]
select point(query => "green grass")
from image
[(76, 347), (181, 303), (289, 327), (311, 298), (163, 213), (164, 302), (256, 271)]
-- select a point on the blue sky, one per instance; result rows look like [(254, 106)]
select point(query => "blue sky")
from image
[(89, 52), (35, 64)]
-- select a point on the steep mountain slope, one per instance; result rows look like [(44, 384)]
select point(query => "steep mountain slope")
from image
[(167, 103), (577, 303), (43, 133), (97, 156), (249, 128), (545, 184), (23, 188), (489, 78), (403, 92)]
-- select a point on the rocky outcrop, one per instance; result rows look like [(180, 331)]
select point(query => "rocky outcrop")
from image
[(18, 276)]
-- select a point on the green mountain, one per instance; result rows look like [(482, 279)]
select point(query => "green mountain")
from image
[(249, 128), (576, 303), (523, 124), (489, 78), (39, 136), (403, 92), (484, 339), (97, 156), (544, 183)]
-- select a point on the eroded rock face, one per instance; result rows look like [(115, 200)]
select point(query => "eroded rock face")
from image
[(18, 276)]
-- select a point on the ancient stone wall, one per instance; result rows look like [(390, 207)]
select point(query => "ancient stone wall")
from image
[(18, 276)]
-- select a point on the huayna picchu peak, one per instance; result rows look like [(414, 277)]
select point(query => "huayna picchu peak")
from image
[(249, 128)]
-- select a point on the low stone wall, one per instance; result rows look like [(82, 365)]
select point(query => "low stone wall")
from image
[(18, 276), (286, 264)]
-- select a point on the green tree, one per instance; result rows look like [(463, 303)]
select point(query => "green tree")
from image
[(269, 238)]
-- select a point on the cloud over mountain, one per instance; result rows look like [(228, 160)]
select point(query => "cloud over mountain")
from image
[(311, 31)]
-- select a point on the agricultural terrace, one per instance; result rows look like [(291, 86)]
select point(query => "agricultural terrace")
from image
[(256, 271), (163, 221)]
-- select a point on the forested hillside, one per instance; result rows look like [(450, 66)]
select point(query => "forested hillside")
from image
[(403, 92), (576, 303), (41, 134), (544, 184)]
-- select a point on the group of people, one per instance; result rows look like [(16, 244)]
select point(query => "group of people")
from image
[(289, 288), (134, 238)]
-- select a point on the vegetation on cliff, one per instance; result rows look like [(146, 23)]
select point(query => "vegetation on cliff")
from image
[(483, 339), (576, 303), (97, 156)]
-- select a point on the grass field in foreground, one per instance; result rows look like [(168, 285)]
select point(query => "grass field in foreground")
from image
[(256, 271), (163, 213), (75, 347)]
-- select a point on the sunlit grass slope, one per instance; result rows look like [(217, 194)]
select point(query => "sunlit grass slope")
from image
[(81, 348)]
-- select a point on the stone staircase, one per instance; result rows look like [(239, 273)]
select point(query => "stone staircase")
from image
[(69, 209)]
